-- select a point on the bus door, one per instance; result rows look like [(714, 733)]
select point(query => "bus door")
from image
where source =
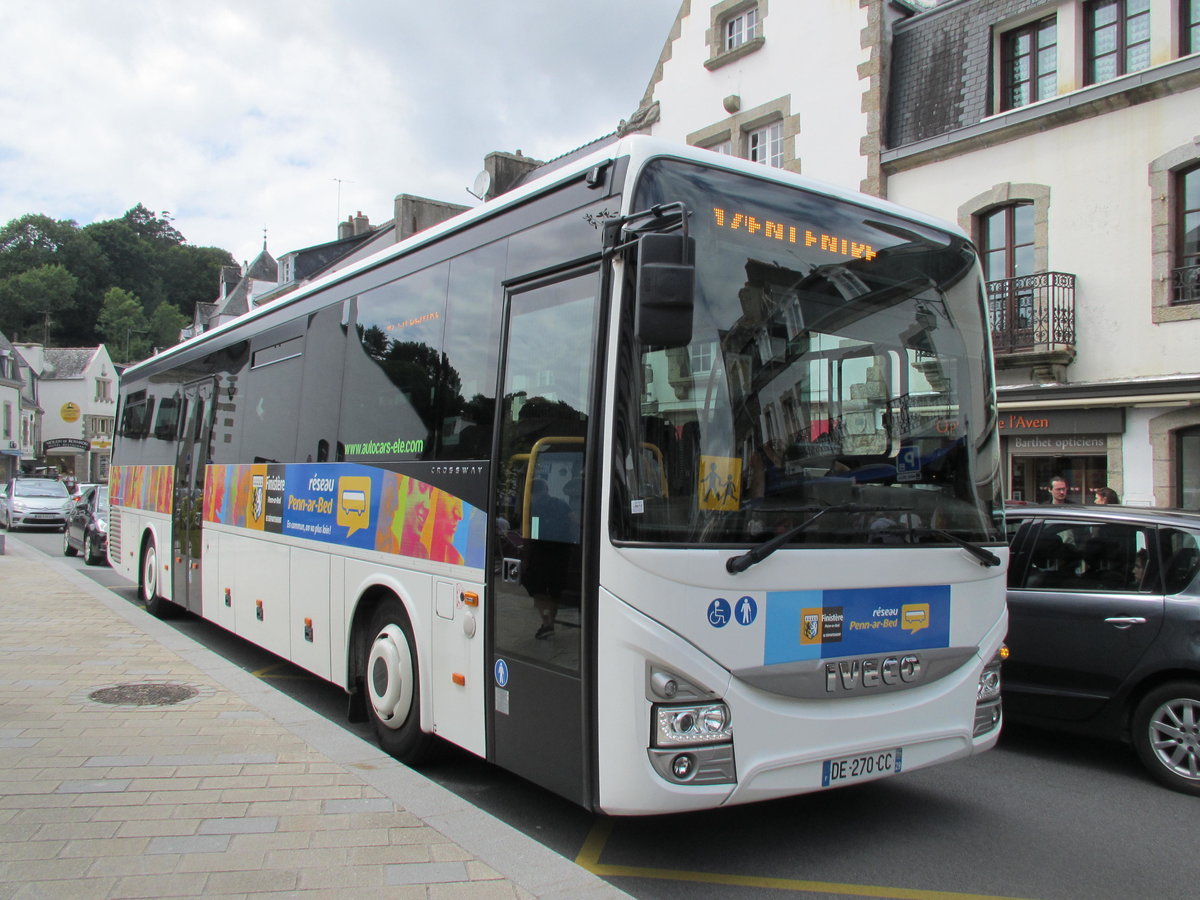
[(187, 511), (540, 614)]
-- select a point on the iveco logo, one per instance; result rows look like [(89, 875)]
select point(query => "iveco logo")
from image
[(864, 674)]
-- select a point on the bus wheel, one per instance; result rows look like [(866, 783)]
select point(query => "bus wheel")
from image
[(157, 605), (393, 685)]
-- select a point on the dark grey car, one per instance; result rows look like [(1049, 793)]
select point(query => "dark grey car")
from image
[(1104, 629), (87, 526)]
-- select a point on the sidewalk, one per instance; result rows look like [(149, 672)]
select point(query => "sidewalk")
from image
[(220, 786)]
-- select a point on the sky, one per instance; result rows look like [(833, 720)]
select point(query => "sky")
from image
[(292, 115)]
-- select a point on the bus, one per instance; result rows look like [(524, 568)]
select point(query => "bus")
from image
[(665, 481)]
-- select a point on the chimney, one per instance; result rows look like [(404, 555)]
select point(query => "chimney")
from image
[(346, 229), (507, 170), (361, 224), (413, 214)]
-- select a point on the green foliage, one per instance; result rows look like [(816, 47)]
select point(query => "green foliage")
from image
[(32, 302), (123, 326), (142, 254)]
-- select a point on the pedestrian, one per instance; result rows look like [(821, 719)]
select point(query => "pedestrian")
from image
[(1106, 496), (1060, 494)]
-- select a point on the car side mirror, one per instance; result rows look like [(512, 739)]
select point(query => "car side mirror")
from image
[(666, 286)]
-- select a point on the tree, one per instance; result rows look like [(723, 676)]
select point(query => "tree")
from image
[(165, 324), (32, 302), (142, 253), (124, 326)]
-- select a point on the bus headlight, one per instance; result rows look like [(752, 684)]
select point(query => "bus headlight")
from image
[(989, 681), (680, 726), (987, 703)]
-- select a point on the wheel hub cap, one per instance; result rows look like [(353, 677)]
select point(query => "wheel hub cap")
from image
[(389, 677)]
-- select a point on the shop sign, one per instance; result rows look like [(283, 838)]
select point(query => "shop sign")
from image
[(101, 445), (1035, 421), (64, 444), (70, 412), (1063, 444)]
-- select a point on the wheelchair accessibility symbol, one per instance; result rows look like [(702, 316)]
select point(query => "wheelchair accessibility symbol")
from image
[(719, 613)]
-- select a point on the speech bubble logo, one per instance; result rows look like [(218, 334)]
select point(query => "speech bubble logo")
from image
[(354, 502), (914, 616)]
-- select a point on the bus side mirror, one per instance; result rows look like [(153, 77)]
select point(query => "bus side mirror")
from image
[(666, 285)]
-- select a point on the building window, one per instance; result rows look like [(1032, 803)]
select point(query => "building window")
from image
[(8, 421), (741, 28), (765, 145), (700, 358), (1187, 462), (1186, 273), (1189, 27), (1007, 246), (104, 389), (1006, 241), (1029, 64), (1117, 38), (765, 134), (736, 29)]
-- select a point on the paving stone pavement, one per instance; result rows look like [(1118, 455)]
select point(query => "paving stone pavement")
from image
[(232, 791)]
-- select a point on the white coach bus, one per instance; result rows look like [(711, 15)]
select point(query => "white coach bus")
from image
[(665, 480)]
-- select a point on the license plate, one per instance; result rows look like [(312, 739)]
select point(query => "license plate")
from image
[(861, 766)]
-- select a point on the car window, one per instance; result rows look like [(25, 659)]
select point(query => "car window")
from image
[(1083, 556), (1181, 558)]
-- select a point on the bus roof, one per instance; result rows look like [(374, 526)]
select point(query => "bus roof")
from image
[(640, 149)]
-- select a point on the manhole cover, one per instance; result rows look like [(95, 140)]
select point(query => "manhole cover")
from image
[(146, 694)]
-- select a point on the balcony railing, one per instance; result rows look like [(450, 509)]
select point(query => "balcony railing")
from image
[(1186, 284), (1033, 312)]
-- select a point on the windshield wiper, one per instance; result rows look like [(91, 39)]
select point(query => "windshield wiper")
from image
[(986, 557), (736, 564)]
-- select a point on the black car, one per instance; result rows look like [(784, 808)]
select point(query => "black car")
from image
[(1104, 629), (87, 526)]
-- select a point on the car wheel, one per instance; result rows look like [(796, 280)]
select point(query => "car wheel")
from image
[(1166, 734), (157, 605), (89, 551), (393, 686), (68, 550)]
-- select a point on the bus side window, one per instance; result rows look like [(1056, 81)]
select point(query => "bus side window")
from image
[(393, 369)]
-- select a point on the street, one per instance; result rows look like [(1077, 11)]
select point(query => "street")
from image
[(1042, 815)]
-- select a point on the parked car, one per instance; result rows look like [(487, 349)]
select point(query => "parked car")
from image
[(1104, 629), (87, 526), (36, 503)]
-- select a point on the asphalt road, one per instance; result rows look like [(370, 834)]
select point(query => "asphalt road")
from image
[(1042, 815)]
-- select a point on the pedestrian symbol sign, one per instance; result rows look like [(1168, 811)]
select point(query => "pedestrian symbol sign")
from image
[(720, 483)]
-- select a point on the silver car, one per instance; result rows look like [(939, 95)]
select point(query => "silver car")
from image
[(36, 503)]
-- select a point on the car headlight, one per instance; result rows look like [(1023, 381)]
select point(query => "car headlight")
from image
[(19, 506), (101, 526), (688, 725)]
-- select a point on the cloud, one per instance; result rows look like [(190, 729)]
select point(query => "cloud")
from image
[(240, 116)]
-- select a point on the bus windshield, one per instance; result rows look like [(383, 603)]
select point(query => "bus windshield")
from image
[(837, 384)]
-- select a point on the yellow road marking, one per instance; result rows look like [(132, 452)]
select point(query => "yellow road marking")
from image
[(589, 858), (265, 673)]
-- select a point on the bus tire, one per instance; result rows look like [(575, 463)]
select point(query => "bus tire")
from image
[(156, 604), (392, 684)]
